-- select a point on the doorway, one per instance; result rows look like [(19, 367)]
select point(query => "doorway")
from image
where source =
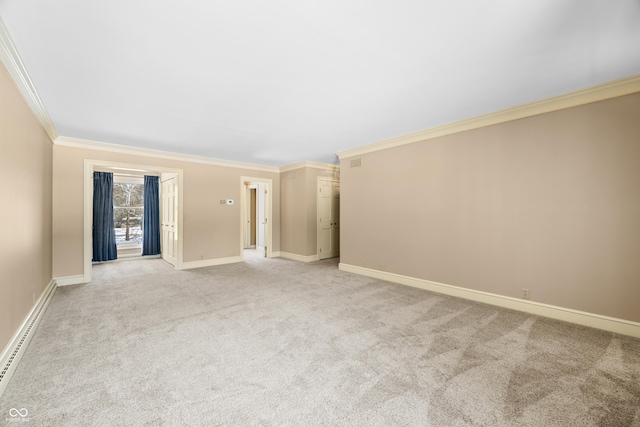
[(255, 217), (123, 168), (256, 211)]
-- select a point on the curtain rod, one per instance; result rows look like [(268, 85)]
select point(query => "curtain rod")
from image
[(117, 173), (132, 175)]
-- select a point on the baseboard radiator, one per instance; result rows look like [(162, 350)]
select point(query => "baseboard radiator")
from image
[(11, 355)]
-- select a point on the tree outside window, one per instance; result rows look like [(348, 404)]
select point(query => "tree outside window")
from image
[(128, 208)]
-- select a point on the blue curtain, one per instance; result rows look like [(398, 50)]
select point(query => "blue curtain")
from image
[(151, 223), (104, 235)]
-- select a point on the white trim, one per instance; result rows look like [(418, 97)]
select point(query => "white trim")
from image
[(88, 220), (120, 178), (128, 246), (310, 164), (12, 353), (620, 326), (66, 141), (573, 99), (296, 257), (11, 60), (276, 254), (210, 262), (133, 255), (69, 280), (89, 165), (148, 152)]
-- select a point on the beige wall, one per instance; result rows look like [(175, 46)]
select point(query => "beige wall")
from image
[(294, 212), (25, 170), (550, 203), (211, 230), (299, 209)]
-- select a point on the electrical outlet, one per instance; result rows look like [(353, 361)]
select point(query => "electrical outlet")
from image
[(525, 294)]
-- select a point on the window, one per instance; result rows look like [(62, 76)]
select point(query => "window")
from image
[(128, 210)]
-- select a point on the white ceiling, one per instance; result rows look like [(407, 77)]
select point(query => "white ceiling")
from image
[(282, 81)]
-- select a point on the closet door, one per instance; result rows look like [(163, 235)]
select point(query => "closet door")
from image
[(169, 220), (328, 218)]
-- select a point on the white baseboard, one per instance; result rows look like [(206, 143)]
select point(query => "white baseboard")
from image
[(296, 257), (210, 262), (612, 324), (275, 254), (69, 280), (12, 353)]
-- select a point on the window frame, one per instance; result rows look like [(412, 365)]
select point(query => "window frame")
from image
[(128, 179)]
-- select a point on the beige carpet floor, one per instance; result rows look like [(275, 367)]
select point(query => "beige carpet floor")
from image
[(277, 342)]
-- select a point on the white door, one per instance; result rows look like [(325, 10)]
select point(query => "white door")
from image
[(328, 218), (169, 220)]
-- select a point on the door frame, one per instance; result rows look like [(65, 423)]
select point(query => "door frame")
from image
[(318, 180), (89, 166), (268, 200)]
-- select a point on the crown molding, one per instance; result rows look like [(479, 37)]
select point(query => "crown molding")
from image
[(310, 164), (601, 92), (11, 60), (66, 141), (147, 152)]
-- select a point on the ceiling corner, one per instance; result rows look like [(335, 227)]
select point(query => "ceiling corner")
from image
[(11, 60)]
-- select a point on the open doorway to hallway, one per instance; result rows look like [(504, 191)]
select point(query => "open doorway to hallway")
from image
[(256, 210), (255, 217)]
